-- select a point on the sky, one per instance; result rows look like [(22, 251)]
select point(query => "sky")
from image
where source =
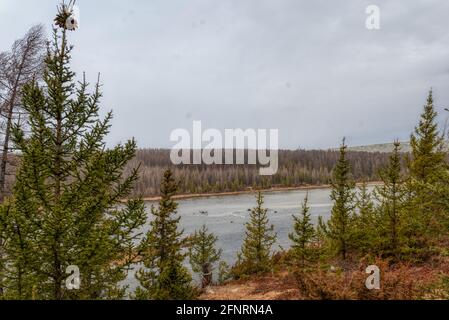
[(310, 69)]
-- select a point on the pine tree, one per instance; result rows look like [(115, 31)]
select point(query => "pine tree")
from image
[(203, 254), (224, 272), (339, 230), (390, 195), (428, 170), (428, 156), (66, 210), (164, 276), (303, 235), (365, 221), (260, 236)]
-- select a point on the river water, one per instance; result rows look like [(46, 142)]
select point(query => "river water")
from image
[(226, 216)]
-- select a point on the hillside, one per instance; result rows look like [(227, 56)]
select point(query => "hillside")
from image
[(381, 147), (385, 147), (347, 281)]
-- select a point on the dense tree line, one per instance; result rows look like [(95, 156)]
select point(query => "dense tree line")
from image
[(296, 168)]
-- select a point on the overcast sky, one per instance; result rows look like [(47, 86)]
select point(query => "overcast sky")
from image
[(308, 68)]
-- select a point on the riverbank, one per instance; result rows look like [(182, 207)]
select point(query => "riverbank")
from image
[(249, 191)]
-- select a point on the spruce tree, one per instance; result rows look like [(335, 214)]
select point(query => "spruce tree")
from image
[(65, 209), (303, 235), (365, 220), (390, 196), (339, 230), (203, 254), (164, 276), (427, 144), (224, 272), (428, 171), (255, 255)]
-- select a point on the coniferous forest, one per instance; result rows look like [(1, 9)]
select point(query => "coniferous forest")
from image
[(74, 225), (296, 168)]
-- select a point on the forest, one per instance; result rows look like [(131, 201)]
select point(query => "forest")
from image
[(74, 225), (296, 168)]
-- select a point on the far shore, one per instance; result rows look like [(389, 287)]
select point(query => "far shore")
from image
[(249, 191)]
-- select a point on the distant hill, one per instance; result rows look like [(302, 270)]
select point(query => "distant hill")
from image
[(386, 147), (381, 147)]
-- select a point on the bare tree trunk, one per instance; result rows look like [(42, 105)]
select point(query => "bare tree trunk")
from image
[(19, 66), (4, 159)]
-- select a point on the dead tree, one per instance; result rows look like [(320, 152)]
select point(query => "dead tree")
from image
[(22, 64)]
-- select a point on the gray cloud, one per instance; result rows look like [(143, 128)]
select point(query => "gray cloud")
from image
[(309, 68)]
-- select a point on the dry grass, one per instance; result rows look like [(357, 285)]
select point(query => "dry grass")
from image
[(398, 282), (279, 286)]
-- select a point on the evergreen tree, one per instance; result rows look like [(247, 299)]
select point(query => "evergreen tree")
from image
[(428, 156), (255, 255), (303, 234), (365, 221), (224, 272), (164, 276), (390, 195), (339, 230), (203, 254), (66, 209), (428, 170)]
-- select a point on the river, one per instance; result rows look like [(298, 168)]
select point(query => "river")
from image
[(226, 216)]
